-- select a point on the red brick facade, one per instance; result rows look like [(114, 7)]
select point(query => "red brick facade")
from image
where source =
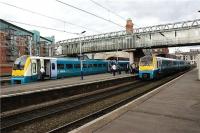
[(6, 57)]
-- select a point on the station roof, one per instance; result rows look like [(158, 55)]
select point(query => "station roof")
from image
[(19, 29)]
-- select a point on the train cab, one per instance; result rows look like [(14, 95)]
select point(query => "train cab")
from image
[(27, 69), (147, 67)]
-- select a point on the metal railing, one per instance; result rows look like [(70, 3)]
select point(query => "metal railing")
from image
[(110, 41)]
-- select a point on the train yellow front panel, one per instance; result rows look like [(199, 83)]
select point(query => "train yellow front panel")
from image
[(17, 73), (146, 68), (22, 72)]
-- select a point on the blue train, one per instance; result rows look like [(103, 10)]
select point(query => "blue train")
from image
[(27, 69), (152, 67)]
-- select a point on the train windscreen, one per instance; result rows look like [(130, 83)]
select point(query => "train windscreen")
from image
[(146, 61), (19, 63)]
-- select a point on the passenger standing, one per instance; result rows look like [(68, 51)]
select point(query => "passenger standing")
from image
[(133, 68), (119, 69), (114, 68), (42, 71), (127, 68)]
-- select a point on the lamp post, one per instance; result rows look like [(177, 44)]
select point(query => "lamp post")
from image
[(30, 45), (117, 49), (81, 62)]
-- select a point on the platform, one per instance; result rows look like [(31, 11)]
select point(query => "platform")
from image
[(175, 108), (54, 84)]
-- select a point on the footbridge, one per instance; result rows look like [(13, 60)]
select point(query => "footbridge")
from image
[(184, 33)]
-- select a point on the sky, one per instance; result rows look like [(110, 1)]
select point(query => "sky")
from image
[(142, 12)]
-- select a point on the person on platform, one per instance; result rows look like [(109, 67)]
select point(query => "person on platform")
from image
[(127, 70), (114, 69), (133, 67), (42, 71)]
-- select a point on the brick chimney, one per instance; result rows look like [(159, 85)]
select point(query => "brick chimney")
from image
[(129, 26)]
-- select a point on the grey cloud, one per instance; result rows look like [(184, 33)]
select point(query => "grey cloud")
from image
[(164, 10)]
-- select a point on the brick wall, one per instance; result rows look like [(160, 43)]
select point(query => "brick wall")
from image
[(6, 57)]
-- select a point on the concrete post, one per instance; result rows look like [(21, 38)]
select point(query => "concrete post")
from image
[(131, 57)]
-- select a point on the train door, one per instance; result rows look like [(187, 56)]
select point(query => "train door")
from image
[(47, 68), (34, 70), (38, 69), (53, 68)]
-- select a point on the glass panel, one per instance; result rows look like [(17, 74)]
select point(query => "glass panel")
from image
[(53, 66), (99, 65), (85, 65), (60, 66), (20, 62), (146, 61), (90, 65), (69, 66), (34, 67), (77, 65)]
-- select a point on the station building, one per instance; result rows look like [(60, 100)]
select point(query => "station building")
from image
[(15, 41)]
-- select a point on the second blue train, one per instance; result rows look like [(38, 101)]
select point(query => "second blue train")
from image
[(152, 67)]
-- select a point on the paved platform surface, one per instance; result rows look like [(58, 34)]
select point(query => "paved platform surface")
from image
[(175, 109), (4, 78), (51, 84)]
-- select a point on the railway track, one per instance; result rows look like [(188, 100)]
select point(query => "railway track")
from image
[(14, 122), (77, 123)]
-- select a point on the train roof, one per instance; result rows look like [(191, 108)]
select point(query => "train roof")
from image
[(77, 59), (163, 58), (38, 57)]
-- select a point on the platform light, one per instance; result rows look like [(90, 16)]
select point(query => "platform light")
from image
[(81, 62)]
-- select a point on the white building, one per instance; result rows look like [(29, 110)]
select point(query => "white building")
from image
[(189, 56)]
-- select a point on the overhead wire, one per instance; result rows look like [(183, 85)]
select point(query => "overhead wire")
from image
[(43, 15), (89, 13), (96, 3), (44, 27)]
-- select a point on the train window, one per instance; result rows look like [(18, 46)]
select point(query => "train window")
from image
[(60, 66), (76, 65), (104, 65), (85, 65), (69, 66), (95, 65), (99, 65), (146, 61), (20, 62), (53, 66), (89, 65), (34, 67)]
